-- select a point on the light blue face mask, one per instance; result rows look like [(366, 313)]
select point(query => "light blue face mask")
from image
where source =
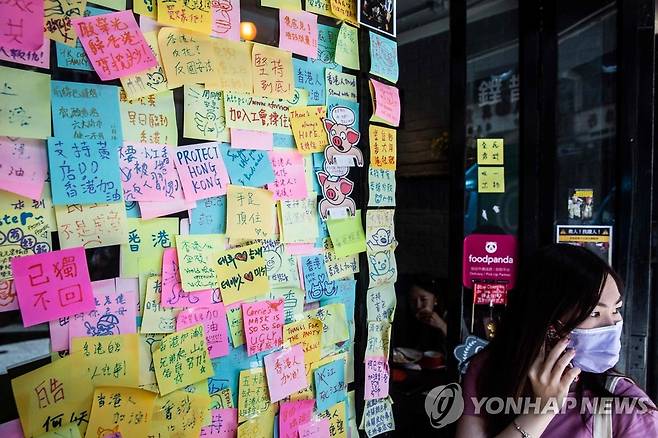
[(597, 349)]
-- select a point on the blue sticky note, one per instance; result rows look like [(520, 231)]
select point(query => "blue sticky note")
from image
[(276, 426), (323, 231), (316, 279), (329, 384), (86, 111), (284, 141), (333, 102), (227, 369), (247, 167), (84, 171), (310, 77), (209, 216), (384, 57), (346, 294), (327, 37), (132, 209), (75, 58)]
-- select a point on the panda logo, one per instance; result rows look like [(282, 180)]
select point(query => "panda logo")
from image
[(491, 247)]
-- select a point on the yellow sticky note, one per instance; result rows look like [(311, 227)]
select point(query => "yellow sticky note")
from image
[(53, 395), (272, 72), (148, 343), (147, 239), (334, 322), (195, 16), (261, 426), (157, 319), (308, 128), (204, 114), (379, 335), (179, 414), (347, 47), (150, 119), (222, 399), (241, 273), (337, 420), (193, 51), (383, 147), (347, 235), (71, 430), (117, 5), (91, 225), (182, 359), (196, 260), (299, 219), (57, 24), (147, 8), (125, 410), (25, 103), (151, 81), (491, 179), (321, 7), (308, 333), (345, 10), (253, 394), (249, 213), (491, 151), (235, 324), (234, 66), (259, 113), (108, 360), (339, 268), (291, 5)]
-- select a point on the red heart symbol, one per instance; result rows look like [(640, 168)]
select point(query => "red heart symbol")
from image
[(249, 276), (242, 256)]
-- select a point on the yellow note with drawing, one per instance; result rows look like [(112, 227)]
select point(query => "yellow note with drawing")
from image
[(151, 81), (25, 103), (68, 431), (204, 114), (241, 273), (108, 360), (127, 411), (156, 318), (196, 260), (195, 16)]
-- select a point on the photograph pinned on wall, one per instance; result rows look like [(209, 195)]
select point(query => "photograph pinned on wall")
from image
[(378, 15), (581, 204)]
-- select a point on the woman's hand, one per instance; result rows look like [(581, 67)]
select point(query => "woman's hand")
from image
[(547, 373), (432, 319)]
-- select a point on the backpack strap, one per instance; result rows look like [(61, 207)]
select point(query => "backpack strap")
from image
[(602, 421)]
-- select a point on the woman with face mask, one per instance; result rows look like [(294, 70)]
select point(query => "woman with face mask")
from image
[(556, 349)]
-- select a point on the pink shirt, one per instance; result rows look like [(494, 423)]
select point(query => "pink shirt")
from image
[(569, 423)]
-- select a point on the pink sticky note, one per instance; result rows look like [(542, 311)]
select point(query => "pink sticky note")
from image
[(245, 139), (22, 24), (225, 19), (214, 322), (292, 415), (377, 377), (59, 334), (224, 424), (387, 102), (115, 313), (150, 210), (201, 170), (8, 298), (11, 429), (23, 166), (290, 178), (148, 172), (173, 294), (263, 325), (52, 285), (114, 44), (39, 57), (285, 372), (315, 429), (298, 32), (302, 249)]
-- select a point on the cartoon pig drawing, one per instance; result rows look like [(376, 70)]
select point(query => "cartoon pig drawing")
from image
[(336, 194), (342, 136)]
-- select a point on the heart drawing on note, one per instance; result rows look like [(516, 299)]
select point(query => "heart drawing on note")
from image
[(249, 276), (242, 256)]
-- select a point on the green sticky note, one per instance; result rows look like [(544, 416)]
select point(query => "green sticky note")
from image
[(347, 47), (347, 235)]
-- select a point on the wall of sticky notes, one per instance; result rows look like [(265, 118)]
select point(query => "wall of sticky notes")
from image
[(196, 222)]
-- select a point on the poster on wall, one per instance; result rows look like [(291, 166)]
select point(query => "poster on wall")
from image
[(596, 238), (378, 14), (580, 204), (490, 258)]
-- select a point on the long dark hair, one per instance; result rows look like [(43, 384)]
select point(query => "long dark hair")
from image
[(560, 282)]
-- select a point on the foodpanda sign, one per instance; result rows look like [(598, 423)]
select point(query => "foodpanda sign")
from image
[(490, 257)]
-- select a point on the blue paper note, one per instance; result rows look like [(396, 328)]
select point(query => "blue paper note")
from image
[(75, 58), (316, 280), (209, 216), (86, 111), (132, 209), (346, 294), (333, 102), (383, 57), (310, 77), (327, 37), (284, 141), (329, 384), (247, 167), (83, 171), (323, 231)]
